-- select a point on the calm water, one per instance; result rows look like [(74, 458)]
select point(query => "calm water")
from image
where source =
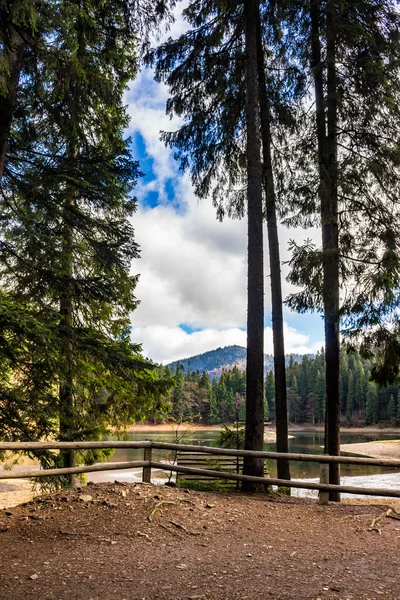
[(302, 442)]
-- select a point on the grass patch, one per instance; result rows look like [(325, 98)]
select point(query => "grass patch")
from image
[(214, 485)]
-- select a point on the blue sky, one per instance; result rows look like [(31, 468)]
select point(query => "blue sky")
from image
[(192, 269)]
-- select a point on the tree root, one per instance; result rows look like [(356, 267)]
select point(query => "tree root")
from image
[(391, 513), (155, 507)]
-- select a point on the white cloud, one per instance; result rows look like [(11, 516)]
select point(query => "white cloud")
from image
[(193, 268), (166, 344)]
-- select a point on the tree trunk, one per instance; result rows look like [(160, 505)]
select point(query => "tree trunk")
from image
[(68, 425), (330, 241), (275, 267), (327, 153), (16, 48), (66, 392), (254, 434)]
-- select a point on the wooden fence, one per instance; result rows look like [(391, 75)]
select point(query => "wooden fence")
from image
[(147, 464)]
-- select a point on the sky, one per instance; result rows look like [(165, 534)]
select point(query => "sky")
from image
[(192, 285)]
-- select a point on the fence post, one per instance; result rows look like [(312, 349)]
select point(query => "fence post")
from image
[(146, 475), (323, 478)]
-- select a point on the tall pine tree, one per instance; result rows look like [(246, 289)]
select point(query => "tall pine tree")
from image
[(67, 204)]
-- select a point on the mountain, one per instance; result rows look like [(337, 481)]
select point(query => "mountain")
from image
[(225, 358)]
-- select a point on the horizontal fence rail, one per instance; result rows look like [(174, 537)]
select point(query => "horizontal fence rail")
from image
[(73, 470), (319, 458), (324, 487), (25, 446), (147, 464)]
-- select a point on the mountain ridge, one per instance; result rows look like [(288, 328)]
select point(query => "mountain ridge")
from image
[(214, 361)]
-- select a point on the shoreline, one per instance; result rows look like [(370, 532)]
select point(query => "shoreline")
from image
[(17, 491), (383, 449), (152, 428)]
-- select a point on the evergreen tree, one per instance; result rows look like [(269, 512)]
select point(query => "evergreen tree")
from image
[(352, 51), (351, 394), (28, 29), (254, 433), (371, 406), (360, 388), (22, 26), (266, 119), (270, 394), (204, 381), (266, 408), (392, 409), (206, 76), (179, 398), (214, 414), (65, 223), (294, 400), (319, 395)]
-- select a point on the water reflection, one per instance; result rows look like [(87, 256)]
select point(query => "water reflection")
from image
[(304, 442)]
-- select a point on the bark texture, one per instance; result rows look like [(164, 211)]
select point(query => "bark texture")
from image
[(254, 435), (15, 49), (66, 393), (326, 114), (275, 266)]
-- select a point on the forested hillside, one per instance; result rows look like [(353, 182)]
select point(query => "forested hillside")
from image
[(198, 397), (215, 361)]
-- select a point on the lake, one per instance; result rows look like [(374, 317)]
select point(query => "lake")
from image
[(305, 442)]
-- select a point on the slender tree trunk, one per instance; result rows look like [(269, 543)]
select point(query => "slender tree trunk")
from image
[(16, 48), (66, 392), (330, 242), (68, 425), (254, 434), (327, 151), (275, 267)]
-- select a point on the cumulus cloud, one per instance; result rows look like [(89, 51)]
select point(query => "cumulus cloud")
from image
[(192, 267)]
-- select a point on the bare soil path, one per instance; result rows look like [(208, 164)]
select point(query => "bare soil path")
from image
[(128, 542)]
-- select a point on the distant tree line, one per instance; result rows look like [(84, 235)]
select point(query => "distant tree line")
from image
[(198, 398)]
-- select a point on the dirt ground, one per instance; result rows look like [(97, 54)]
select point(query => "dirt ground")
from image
[(143, 542)]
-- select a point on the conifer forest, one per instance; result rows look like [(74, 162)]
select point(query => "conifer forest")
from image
[(198, 398), (285, 114)]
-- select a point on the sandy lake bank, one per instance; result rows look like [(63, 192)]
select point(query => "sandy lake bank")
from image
[(381, 449)]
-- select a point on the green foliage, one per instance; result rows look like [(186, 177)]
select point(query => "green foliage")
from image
[(204, 70), (270, 396), (213, 485), (231, 437), (371, 408), (362, 402), (71, 370), (363, 98), (392, 410)]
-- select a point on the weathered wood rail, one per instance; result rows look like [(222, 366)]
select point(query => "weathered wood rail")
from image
[(148, 464), (231, 464)]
